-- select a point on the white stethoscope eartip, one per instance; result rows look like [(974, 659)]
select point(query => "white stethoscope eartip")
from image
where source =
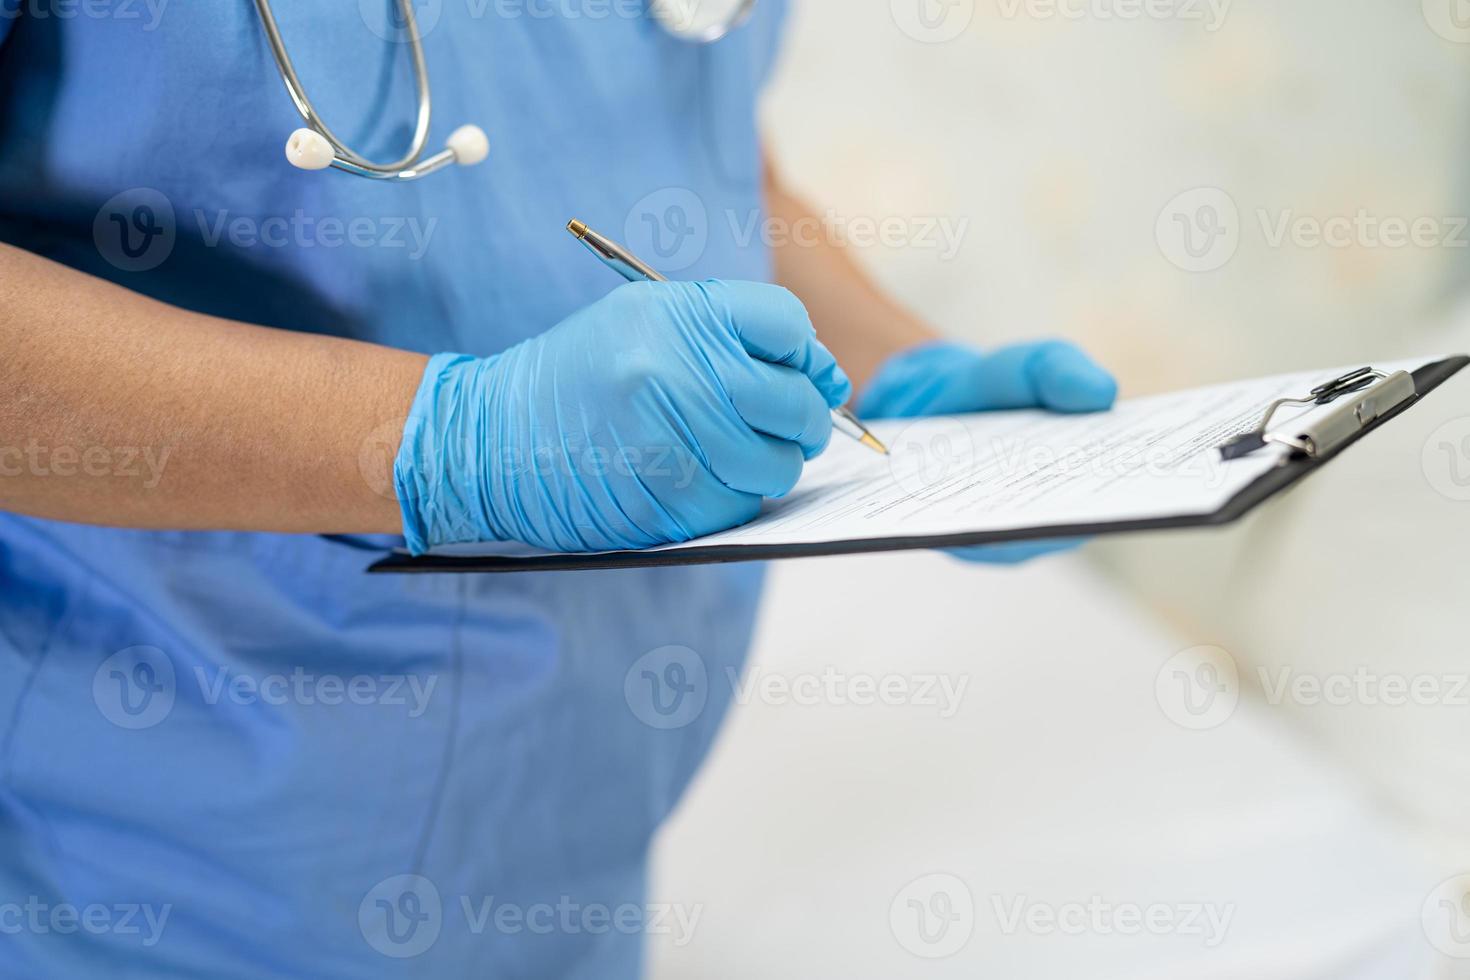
[(469, 144), (309, 150)]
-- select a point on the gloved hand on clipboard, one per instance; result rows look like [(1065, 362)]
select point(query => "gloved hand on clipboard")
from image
[(660, 413), (943, 378)]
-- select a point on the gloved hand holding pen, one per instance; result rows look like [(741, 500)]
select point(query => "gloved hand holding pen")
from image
[(663, 412)]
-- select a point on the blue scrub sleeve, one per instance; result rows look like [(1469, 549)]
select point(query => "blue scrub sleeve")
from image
[(769, 49)]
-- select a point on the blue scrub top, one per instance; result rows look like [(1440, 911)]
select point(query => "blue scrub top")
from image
[(232, 754)]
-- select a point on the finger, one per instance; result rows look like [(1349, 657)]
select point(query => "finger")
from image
[(782, 402), (706, 506), (758, 464), (1067, 380), (773, 326), (1051, 374), (1015, 553)]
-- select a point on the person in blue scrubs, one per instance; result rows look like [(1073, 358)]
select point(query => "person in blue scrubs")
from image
[(227, 386)]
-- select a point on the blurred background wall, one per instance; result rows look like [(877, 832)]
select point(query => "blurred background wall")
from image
[(1062, 138), (1076, 142), (1196, 192)]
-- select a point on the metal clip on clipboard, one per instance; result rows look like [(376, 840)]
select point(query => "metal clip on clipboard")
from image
[(1375, 393)]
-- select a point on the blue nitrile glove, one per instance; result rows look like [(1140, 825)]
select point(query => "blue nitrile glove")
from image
[(950, 379), (660, 413)]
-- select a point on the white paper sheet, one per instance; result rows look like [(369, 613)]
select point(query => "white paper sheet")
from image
[(1147, 458)]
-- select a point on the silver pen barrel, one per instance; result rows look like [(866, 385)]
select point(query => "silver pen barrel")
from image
[(614, 256), (634, 269)]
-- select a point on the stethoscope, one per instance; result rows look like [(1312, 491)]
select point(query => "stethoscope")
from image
[(316, 147)]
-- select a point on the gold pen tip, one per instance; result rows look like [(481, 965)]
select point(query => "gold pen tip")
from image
[(872, 443), (577, 228)]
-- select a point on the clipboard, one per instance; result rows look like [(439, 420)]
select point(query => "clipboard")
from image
[(1357, 410)]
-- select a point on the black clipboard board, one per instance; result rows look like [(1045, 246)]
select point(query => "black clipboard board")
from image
[(1277, 480)]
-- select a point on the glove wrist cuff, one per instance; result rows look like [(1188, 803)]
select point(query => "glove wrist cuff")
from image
[(420, 468)]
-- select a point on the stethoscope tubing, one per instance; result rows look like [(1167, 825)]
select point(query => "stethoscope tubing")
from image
[(411, 164), (315, 146)]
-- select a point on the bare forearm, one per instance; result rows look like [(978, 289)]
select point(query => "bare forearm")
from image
[(116, 409), (861, 324)]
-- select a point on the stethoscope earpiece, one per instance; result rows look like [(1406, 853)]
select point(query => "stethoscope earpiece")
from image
[(469, 144), (309, 150), (701, 21)]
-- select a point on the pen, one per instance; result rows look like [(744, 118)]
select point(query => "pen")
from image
[(633, 269)]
